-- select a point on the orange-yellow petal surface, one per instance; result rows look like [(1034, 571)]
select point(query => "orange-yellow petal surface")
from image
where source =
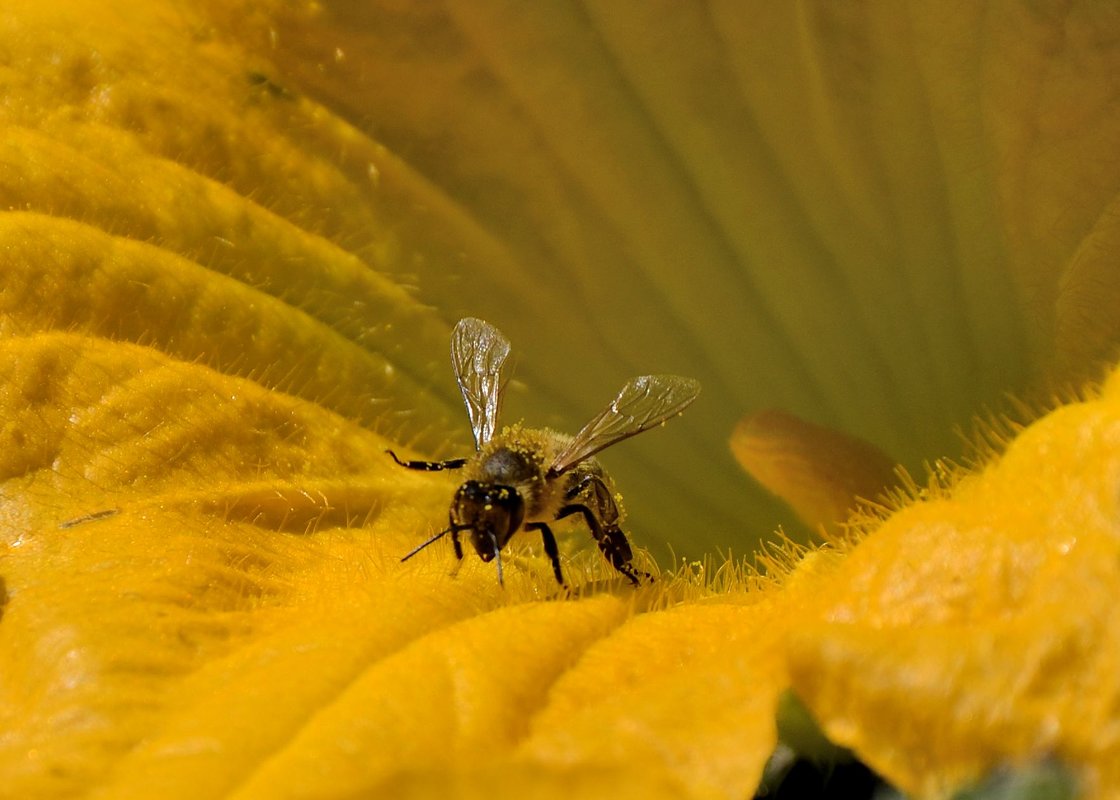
[(980, 628), (210, 331)]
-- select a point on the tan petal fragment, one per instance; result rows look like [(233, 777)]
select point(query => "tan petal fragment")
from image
[(820, 472), (1087, 323)]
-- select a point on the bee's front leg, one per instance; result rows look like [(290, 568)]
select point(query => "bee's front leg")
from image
[(430, 466), (455, 529)]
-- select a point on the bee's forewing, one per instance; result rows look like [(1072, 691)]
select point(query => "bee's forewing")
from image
[(642, 403), (478, 355)]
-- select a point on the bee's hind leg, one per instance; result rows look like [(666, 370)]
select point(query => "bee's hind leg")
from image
[(611, 540)]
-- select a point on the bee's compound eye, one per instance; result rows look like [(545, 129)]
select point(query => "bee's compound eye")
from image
[(472, 491)]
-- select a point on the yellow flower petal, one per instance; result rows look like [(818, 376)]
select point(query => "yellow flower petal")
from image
[(224, 296), (689, 691), (980, 629)]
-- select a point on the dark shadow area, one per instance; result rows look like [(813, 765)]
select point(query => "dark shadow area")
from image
[(807, 779)]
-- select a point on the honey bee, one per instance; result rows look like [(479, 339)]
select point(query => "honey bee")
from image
[(524, 478)]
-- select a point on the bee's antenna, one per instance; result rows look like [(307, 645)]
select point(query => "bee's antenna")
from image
[(433, 540)]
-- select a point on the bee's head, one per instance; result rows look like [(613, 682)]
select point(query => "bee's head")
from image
[(491, 512)]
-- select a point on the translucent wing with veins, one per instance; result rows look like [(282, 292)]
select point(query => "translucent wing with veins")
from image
[(478, 355), (643, 402)]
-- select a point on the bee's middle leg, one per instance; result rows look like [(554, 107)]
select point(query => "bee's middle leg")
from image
[(549, 547)]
